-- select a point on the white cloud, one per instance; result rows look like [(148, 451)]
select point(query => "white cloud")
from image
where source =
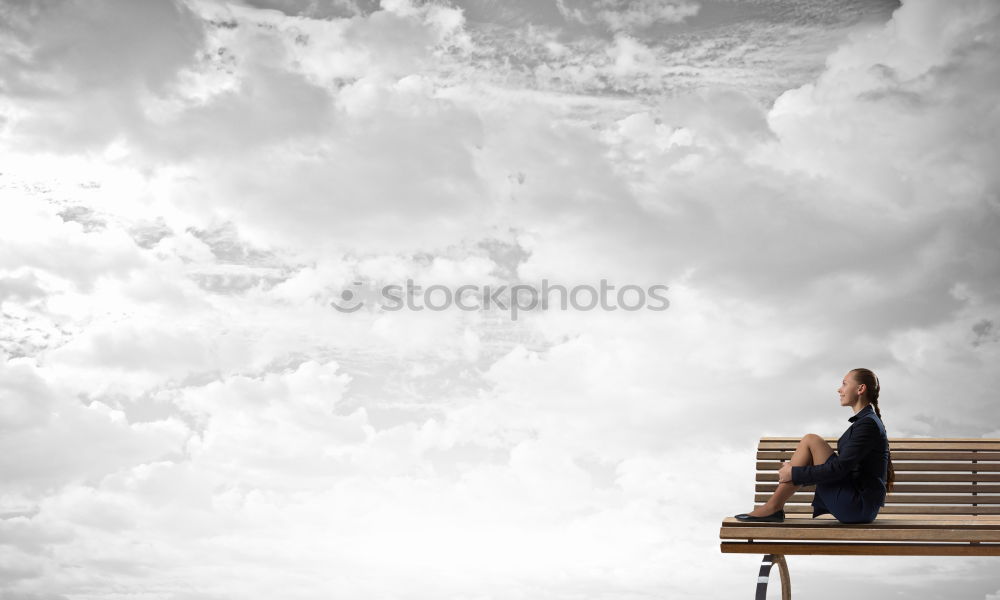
[(76, 76), (619, 15)]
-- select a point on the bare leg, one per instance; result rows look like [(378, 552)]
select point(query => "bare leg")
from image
[(812, 450)]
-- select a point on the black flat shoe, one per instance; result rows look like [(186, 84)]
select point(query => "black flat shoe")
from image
[(778, 517)]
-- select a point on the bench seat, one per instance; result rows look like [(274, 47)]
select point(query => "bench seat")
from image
[(965, 536)]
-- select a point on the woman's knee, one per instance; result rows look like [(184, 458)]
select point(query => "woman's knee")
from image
[(811, 438)]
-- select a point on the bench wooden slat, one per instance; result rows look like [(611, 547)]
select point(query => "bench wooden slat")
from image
[(883, 522), (911, 488), (905, 499), (914, 510), (866, 535), (979, 441), (991, 520), (913, 476), (899, 445), (869, 549), (903, 467), (901, 455), (925, 476)]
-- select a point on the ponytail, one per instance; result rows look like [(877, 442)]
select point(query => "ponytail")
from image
[(870, 381)]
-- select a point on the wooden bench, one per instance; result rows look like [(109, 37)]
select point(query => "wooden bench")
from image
[(946, 502)]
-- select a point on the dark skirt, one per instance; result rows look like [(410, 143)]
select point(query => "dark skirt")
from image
[(844, 501)]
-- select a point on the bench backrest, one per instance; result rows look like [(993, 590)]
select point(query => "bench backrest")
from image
[(934, 476)]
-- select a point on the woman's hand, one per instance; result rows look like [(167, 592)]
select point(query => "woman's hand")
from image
[(785, 473)]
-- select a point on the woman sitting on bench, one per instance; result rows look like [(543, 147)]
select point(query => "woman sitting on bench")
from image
[(851, 483)]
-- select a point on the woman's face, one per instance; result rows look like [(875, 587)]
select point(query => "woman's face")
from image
[(849, 390)]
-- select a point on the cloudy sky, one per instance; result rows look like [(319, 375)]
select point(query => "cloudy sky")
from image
[(188, 186)]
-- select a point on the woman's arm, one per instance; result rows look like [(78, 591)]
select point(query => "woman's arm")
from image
[(864, 437)]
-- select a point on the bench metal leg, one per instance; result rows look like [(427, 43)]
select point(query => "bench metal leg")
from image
[(764, 575)]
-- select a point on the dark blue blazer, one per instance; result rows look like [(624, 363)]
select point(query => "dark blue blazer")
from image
[(851, 483)]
